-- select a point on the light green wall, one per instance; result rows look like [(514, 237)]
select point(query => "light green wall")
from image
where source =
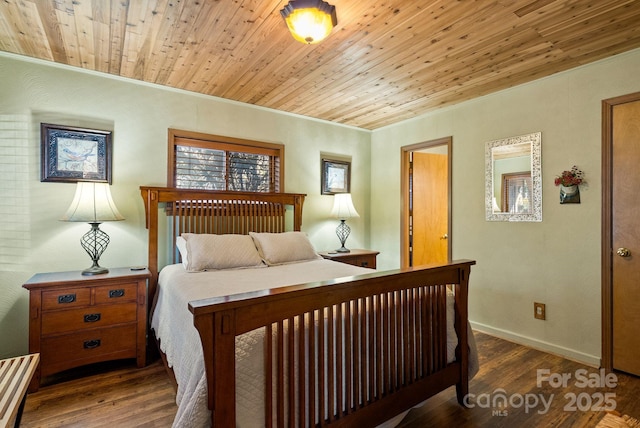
[(139, 115), (557, 261)]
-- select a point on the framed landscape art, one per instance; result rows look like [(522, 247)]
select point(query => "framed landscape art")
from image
[(70, 154)]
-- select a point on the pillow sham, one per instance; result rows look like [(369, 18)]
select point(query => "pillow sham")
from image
[(285, 247), (181, 243), (206, 251)]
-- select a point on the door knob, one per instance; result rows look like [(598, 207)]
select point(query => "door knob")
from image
[(445, 236), (623, 252)]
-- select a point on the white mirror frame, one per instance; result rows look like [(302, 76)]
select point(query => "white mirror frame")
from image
[(535, 140)]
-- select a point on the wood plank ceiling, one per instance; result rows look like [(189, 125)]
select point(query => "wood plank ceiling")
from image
[(386, 61)]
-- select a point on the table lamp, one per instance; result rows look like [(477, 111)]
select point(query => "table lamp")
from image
[(343, 209), (93, 204)]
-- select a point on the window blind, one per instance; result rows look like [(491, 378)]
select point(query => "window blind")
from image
[(15, 232), (226, 167)]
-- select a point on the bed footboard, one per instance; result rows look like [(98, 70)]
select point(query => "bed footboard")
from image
[(353, 351)]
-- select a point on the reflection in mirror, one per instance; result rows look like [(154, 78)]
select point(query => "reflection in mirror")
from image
[(513, 179)]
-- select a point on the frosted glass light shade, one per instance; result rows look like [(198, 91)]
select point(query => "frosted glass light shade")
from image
[(92, 203), (309, 21), (343, 207)]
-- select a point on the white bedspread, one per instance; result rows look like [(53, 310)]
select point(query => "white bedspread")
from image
[(179, 340)]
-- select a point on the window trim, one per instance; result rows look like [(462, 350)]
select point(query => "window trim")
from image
[(176, 137)]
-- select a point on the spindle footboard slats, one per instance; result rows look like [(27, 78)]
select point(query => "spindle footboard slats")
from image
[(336, 350)]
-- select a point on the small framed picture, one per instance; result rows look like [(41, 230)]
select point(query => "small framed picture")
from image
[(336, 177), (71, 154)]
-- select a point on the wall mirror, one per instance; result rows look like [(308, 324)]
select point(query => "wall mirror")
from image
[(513, 179)]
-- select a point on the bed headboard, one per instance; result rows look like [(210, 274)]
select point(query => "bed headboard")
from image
[(209, 211)]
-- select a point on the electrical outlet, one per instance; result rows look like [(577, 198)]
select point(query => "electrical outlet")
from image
[(539, 311)]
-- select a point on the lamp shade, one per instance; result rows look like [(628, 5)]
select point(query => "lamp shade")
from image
[(92, 203), (343, 207), (309, 21)]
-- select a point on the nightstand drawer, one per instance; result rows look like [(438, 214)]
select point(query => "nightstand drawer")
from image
[(65, 298), (367, 261), (88, 317), (85, 347), (116, 293)]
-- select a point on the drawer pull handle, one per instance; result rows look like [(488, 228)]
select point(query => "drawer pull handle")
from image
[(91, 344), (364, 264), (116, 293), (67, 298), (92, 317)]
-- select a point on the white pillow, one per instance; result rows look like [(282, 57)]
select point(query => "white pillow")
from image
[(286, 247), (205, 251), (181, 243)]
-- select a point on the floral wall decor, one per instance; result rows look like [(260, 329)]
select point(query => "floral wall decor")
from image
[(569, 182)]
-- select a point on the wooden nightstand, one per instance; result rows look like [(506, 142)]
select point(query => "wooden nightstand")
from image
[(364, 258), (76, 320)]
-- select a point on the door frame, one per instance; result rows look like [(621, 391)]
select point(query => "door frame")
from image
[(404, 193), (607, 224)]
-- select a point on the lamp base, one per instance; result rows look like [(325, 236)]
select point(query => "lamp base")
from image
[(95, 270), (94, 242), (343, 233)]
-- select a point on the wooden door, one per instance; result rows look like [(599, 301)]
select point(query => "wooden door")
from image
[(625, 236), (430, 210)]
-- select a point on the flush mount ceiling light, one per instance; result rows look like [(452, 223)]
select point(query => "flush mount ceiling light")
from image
[(309, 21)]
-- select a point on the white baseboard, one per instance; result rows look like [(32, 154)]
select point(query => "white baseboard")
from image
[(571, 354)]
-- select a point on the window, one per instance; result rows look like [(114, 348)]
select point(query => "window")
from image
[(211, 162)]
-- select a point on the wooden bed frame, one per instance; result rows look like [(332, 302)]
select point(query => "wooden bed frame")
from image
[(380, 350)]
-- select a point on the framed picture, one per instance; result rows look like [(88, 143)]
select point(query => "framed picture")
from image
[(75, 154), (336, 177)]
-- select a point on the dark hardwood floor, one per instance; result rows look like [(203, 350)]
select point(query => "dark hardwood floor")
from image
[(120, 395), (115, 394), (512, 371)]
